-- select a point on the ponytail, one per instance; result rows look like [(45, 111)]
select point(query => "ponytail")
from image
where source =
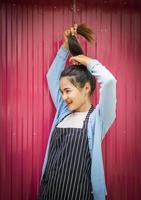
[(74, 46)]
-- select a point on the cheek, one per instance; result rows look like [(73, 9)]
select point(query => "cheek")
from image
[(79, 96), (76, 95)]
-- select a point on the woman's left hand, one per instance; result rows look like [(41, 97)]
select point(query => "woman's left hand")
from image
[(80, 59)]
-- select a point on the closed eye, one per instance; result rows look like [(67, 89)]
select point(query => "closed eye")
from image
[(65, 90)]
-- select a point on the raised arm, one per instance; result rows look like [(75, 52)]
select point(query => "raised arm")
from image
[(107, 100), (56, 68), (53, 75)]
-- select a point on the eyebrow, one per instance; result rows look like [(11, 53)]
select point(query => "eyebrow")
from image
[(64, 89)]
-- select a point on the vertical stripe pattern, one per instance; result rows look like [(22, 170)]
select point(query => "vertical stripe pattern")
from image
[(67, 174), (30, 35)]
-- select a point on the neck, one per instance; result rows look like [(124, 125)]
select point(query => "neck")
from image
[(85, 107)]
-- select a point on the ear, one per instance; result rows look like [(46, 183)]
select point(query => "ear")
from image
[(87, 88)]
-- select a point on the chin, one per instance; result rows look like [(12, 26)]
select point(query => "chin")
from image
[(71, 108)]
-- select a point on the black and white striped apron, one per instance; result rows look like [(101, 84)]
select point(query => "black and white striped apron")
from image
[(68, 169)]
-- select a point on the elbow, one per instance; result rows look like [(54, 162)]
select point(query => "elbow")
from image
[(110, 83), (112, 80), (113, 83)]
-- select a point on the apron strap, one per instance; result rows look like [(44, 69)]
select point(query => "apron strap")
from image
[(87, 116)]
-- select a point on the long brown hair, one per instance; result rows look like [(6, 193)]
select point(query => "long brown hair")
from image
[(74, 46), (79, 74)]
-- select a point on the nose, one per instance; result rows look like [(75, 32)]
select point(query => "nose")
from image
[(64, 96)]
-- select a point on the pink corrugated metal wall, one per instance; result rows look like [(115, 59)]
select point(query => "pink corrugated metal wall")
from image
[(29, 38)]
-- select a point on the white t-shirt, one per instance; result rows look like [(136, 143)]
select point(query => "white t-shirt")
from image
[(73, 120)]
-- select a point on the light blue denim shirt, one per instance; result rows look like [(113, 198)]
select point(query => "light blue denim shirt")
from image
[(100, 119)]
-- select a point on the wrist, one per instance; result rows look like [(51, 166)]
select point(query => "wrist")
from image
[(65, 45)]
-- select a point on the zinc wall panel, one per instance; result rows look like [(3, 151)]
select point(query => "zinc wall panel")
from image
[(30, 36)]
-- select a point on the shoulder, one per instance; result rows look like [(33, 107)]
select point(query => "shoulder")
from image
[(94, 113), (95, 119)]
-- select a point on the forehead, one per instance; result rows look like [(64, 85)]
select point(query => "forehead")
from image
[(65, 82)]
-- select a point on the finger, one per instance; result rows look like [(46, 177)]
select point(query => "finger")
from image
[(72, 31), (74, 62), (67, 33), (71, 60), (75, 28)]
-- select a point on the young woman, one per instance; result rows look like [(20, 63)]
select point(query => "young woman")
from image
[(73, 166)]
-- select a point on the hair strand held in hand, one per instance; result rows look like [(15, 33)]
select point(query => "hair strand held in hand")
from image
[(74, 46), (86, 32)]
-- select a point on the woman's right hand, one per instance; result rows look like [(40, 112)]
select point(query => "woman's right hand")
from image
[(67, 33)]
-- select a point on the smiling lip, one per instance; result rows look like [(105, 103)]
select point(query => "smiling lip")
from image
[(69, 103)]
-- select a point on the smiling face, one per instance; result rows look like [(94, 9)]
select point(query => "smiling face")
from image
[(77, 98)]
